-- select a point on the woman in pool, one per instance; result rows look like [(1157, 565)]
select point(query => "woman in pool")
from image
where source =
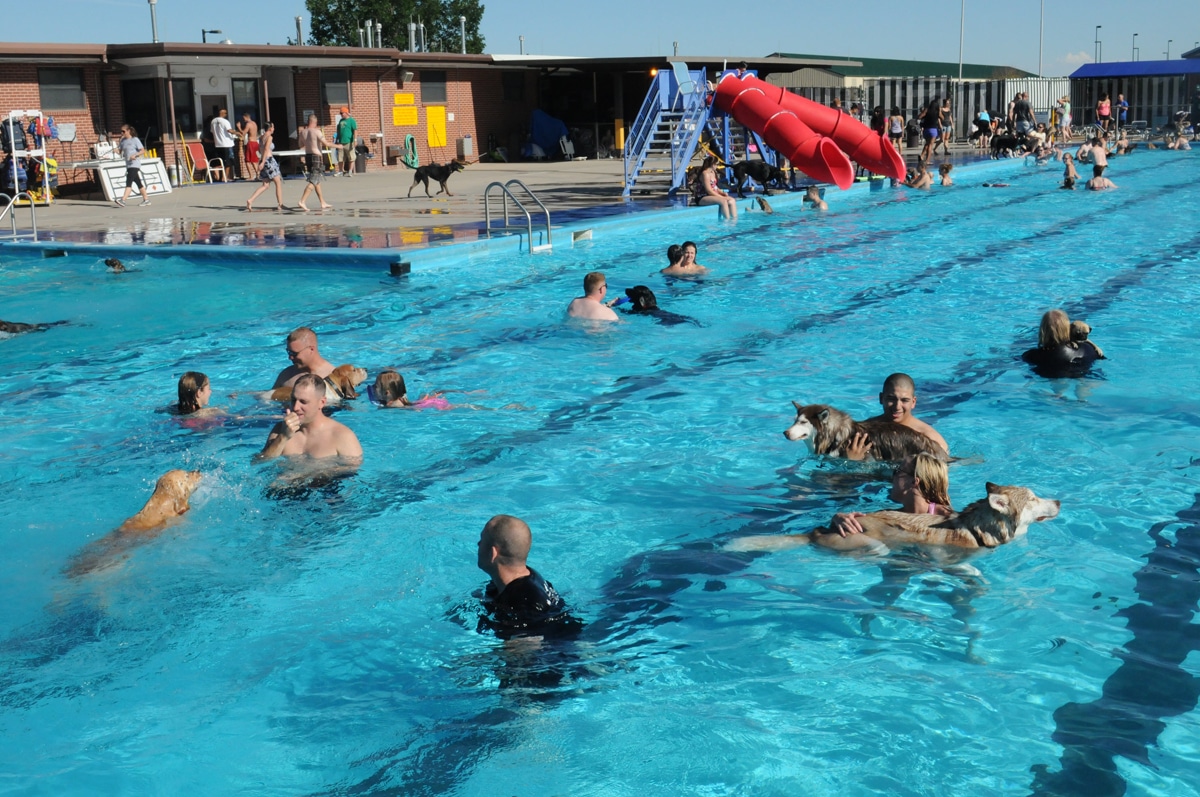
[(194, 393), (390, 392), (1056, 356), (712, 194), (921, 486), (687, 265)]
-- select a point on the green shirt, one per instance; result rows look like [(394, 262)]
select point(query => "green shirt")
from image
[(346, 129)]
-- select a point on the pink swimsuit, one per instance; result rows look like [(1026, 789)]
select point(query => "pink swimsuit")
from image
[(432, 402)]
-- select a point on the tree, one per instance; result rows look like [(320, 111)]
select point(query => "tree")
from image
[(336, 22)]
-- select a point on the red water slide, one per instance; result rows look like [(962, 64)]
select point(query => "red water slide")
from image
[(867, 148), (815, 155)]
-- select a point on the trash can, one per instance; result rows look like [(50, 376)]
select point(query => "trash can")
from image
[(466, 148), (360, 157), (173, 175), (912, 134)]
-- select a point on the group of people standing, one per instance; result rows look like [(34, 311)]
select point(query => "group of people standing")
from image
[(312, 141)]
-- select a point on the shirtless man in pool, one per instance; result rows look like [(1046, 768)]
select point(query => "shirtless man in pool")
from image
[(898, 399), (307, 431), (302, 351)]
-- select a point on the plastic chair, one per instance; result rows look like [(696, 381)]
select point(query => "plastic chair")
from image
[(200, 161), (568, 147)]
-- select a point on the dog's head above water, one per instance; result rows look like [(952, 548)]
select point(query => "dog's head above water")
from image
[(811, 418), (643, 299), (1020, 506)]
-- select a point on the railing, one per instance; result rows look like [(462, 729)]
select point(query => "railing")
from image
[(686, 136), (504, 187), (8, 209), (644, 125)]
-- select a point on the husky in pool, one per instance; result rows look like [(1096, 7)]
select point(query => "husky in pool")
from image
[(989, 522), (830, 431)]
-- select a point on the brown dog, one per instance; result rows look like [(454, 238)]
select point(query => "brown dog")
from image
[(830, 431), (339, 385), (1001, 517), (169, 501)]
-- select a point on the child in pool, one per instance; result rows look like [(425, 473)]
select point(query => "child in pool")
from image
[(194, 392), (390, 391), (944, 172)]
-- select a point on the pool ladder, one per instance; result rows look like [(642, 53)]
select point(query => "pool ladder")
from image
[(507, 194), (8, 210)]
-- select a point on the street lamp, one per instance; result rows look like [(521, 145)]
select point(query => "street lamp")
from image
[(204, 35), (1133, 52), (462, 21), (153, 20), (1169, 48), (1099, 51), (962, 21)]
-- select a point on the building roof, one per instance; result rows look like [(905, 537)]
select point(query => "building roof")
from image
[(645, 63), (891, 67), (254, 54), (1176, 66), (27, 52), (1194, 53)]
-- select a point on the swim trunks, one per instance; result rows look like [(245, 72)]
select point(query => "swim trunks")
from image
[(252, 152)]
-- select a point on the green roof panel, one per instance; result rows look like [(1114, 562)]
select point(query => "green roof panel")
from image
[(894, 67)]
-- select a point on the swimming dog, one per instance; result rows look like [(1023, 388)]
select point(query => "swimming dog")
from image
[(115, 266), (760, 172), (830, 431), (438, 172), (339, 385), (170, 500), (16, 327), (989, 522)]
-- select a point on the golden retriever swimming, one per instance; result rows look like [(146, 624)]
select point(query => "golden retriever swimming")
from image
[(339, 385), (169, 501), (1001, 517)]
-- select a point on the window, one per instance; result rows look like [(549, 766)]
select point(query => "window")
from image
[(335, 90), (514, 86), (433, 86), (185, 105), (140, 101), (62, 89), (245, 99)]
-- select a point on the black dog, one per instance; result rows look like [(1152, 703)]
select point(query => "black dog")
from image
[(760, 172), (16, 327), (435, 171), (643, 302), (1002, 143)]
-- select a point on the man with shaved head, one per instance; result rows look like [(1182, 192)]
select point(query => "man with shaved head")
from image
[(519, 602), (898, 399), (302, 351)]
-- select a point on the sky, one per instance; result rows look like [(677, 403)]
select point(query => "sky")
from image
[(1002, 33)]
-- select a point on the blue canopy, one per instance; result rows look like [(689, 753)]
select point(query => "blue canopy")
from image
[(1179, 66), (546, 131)]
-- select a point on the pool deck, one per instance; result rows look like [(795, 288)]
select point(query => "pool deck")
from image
[(370, 210)]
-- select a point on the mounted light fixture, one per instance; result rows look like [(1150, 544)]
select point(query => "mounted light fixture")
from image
[(204, 35)]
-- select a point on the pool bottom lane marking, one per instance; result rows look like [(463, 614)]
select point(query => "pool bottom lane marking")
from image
[(1149, 685)]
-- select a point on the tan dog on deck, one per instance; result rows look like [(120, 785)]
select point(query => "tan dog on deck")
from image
[(1001, 517), (170, 500), (339, 385)]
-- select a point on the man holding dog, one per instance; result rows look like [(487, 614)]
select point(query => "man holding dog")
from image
[(591, 305), (898, 399), (306, 359), (307, 431)]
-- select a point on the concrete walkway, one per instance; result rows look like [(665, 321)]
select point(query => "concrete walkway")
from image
[(370, 210)]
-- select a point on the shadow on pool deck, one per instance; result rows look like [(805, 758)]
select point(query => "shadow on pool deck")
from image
[(370, 210)]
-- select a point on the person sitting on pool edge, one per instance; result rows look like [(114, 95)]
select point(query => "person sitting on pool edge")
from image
[(592, 305), (518, 601), (307, 431), (306, 359), (390, 392), (920, 484), (898, 399)]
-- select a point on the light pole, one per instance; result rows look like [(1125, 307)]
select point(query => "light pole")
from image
[(1133, 52), (204, 35), (462, 23), (1169, 48), (522, 38), (153, 20), (1041, 38), (962, 21), (1098, 51)]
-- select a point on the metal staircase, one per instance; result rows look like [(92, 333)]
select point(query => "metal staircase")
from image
[(666, 132)]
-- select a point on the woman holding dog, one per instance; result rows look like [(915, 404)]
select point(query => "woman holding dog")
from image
[(920, 485), (1056, 356), (713, 195)]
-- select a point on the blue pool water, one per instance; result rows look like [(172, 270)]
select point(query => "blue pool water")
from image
[(324, 642)]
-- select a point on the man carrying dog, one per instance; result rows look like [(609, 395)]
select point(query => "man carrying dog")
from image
[(591, 305), (307, 431), (518, 601), (302, 351), (898, 399)]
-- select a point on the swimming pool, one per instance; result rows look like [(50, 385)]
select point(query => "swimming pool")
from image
[(324, 641)]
